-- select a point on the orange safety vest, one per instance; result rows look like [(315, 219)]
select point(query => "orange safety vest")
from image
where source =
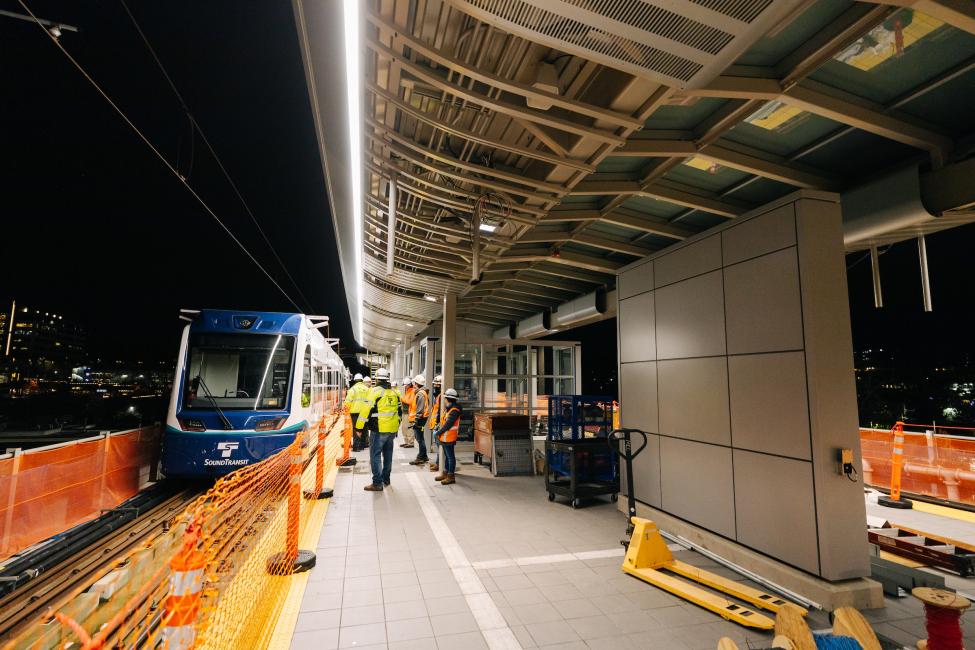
[(412, 403), (450, 435), (434, 413)]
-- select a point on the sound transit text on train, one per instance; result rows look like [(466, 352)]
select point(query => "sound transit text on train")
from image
[(226, 461)]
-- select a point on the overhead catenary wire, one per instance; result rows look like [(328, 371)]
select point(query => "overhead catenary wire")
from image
[(158, 154), (195, 126)]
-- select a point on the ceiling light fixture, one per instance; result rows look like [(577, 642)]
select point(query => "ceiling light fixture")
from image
[(353, 80), (487, 227), (427, 296)]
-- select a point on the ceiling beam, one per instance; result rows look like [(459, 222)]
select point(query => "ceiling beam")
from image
[(431, 120), (649, 225), (510, 177), (779, 171), (567, 258), (805, 97), (829, 41), (507, 85), (668, 192), (419, 160), (957, 13), (493, 103)]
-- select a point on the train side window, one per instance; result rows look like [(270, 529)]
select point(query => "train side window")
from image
[(306, 378)]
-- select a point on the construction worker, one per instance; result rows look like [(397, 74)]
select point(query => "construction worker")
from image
[(381, 417), (446, 432), (434, 419), (361, 439), (407, 396), (419, 413), (355, 398)]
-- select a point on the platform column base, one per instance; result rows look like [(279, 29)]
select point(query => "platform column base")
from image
[(900, 504), (324, 494), (279, 565)]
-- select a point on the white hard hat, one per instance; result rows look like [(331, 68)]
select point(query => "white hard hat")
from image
[(406, 380), (438, 379), (367, 380), (382, 373), (395, 382), (450, 393), (358, 376), (420, 380)]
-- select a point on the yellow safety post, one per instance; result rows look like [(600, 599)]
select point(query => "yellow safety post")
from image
[(647, 557), (896, 466)]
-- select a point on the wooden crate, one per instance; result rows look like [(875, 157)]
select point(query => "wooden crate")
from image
[(491, 422)]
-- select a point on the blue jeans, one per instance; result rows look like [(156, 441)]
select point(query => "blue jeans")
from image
[(420, 441), (381, 444), (450, 458)]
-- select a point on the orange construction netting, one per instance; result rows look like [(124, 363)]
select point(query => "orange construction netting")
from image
[(47, 491), (219, 577), (939, 465)]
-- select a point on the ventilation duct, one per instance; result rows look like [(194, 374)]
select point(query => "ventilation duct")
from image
[(885, 210), (684, 44), (505, 333), (581, 308), (540, 323)]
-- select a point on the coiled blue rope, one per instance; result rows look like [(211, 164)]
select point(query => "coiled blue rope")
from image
[(830, 642)]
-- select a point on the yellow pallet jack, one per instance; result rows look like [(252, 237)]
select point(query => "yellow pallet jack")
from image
[(648, 558)]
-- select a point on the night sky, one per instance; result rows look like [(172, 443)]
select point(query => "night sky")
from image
[(95, 227)]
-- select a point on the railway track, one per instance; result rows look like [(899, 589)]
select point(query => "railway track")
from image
[(44, 590)]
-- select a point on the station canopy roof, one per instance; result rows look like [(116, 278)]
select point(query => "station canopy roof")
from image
[(586, 134)]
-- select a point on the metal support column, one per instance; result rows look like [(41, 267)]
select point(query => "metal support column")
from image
[(922, 253), (878, 292), (391, 235), (449, 339)]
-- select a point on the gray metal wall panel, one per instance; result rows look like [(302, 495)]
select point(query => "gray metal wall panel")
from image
[(775, 509), (636, 280), (769, 411), (646, 472), (763, 307), (637, 324), (832, 391), (690, 260), (638, 380), (697, 484), (690, 318), (763, 234), (693, 399)]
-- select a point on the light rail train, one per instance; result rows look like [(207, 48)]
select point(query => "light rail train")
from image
[(246, 384)]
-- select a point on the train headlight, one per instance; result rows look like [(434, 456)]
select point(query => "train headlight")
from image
[(187, 424), (269, 425)]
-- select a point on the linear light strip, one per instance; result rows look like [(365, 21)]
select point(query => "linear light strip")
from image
[(353, 82)]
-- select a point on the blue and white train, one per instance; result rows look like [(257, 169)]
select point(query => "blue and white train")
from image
[(246, 383)]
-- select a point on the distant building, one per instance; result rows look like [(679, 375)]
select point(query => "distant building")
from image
[(38, 344)]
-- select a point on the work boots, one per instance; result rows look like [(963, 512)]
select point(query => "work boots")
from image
[(434, 467), (441, 477), (448, 480), (419, 461)]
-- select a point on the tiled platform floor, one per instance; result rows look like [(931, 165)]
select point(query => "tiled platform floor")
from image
[(383, 578)]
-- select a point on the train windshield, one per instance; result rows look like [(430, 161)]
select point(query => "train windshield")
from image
[(238, 371)]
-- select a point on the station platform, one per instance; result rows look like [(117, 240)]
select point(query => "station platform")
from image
[(491, 563)]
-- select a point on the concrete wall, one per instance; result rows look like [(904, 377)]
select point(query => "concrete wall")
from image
[(736, 353)]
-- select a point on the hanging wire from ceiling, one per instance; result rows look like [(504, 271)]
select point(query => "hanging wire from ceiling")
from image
[(195, 127), (157, 153)]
